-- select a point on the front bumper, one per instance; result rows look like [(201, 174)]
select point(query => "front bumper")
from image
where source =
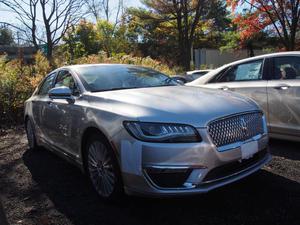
[(163, 169)]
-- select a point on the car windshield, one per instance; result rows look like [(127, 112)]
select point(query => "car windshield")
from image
[(115, 77)]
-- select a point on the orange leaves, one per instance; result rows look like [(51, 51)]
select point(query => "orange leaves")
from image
[(253, 19), (233, 4), (248, 25)]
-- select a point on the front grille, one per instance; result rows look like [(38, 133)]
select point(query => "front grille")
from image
[(234, 167), (236, 128)]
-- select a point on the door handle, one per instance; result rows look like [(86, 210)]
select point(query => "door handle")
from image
[(282, 87), (224, 88)]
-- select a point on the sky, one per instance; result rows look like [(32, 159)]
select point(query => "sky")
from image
[(7, 16)]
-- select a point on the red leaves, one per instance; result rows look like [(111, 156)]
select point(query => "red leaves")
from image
[(233, 4), (250, 24), (255, 18)]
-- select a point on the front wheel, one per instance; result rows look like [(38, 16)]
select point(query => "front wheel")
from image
[(102, 168)]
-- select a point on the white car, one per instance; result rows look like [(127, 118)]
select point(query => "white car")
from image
[(272, 80), (190, 76), (198, 72)]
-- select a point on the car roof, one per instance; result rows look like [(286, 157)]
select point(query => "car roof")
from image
[(212, 73), (290, 53), (192, 71), (98, 64)]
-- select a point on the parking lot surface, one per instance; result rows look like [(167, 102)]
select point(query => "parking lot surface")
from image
[(41, 188)]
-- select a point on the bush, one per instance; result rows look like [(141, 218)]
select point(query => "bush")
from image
[(18, 81), (128, 59)]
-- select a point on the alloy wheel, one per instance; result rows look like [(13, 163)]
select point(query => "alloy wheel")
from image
[(100, 166)]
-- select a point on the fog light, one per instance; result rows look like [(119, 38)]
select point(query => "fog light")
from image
[(168, 177)]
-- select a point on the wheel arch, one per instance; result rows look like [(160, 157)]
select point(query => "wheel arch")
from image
[(85, 136)]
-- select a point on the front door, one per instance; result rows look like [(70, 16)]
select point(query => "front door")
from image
[(63, 117), (39, 105)]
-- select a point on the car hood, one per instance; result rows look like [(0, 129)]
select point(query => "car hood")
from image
[(172, 104)]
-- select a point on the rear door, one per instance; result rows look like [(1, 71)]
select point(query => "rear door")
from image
[(284, 96), (248, 79)]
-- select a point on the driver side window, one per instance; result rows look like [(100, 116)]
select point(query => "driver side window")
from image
[(65, 78), (243, 72), (46, 85)]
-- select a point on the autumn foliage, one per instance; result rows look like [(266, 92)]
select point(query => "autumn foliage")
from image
[(279, 18), (18, 81), (249, 25)]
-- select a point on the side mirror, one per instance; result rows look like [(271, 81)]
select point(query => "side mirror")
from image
[(62, 92)]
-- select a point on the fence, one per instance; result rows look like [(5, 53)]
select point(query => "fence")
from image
[(26, 53)]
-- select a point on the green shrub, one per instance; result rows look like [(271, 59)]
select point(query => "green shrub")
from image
[(128, 59), (18, 81)]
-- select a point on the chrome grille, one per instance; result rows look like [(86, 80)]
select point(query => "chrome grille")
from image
[(236, 128)]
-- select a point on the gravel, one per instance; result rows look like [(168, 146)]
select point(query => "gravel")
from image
[(39, 188)]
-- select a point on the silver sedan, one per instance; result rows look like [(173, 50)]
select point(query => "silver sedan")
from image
[(135, 130)]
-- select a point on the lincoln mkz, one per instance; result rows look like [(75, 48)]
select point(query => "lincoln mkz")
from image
[(135, 130)]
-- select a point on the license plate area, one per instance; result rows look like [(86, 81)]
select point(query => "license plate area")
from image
[(249, 149)]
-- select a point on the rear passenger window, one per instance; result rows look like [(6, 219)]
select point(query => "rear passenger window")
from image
[(47, 85), (286, 68), (243, 72)]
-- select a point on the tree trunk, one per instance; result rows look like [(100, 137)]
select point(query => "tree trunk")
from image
[(250, 49), (49, 51), (187, 55), (187, 50)]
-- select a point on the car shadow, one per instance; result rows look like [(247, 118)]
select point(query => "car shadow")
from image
[(263, 198), (286, 149)]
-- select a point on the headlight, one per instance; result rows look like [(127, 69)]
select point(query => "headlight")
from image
[(161, 132)]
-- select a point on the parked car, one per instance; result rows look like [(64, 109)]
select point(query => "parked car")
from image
[(272, 80), (134, 129), (190, 76), (197, 73)]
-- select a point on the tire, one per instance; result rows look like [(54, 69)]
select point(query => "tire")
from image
[(102, 168), (31, 135)]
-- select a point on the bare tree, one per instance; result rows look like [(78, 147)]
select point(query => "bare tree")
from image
[(27, 18), (105, 4), (94, 7), (103, 9), (57, 17)]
